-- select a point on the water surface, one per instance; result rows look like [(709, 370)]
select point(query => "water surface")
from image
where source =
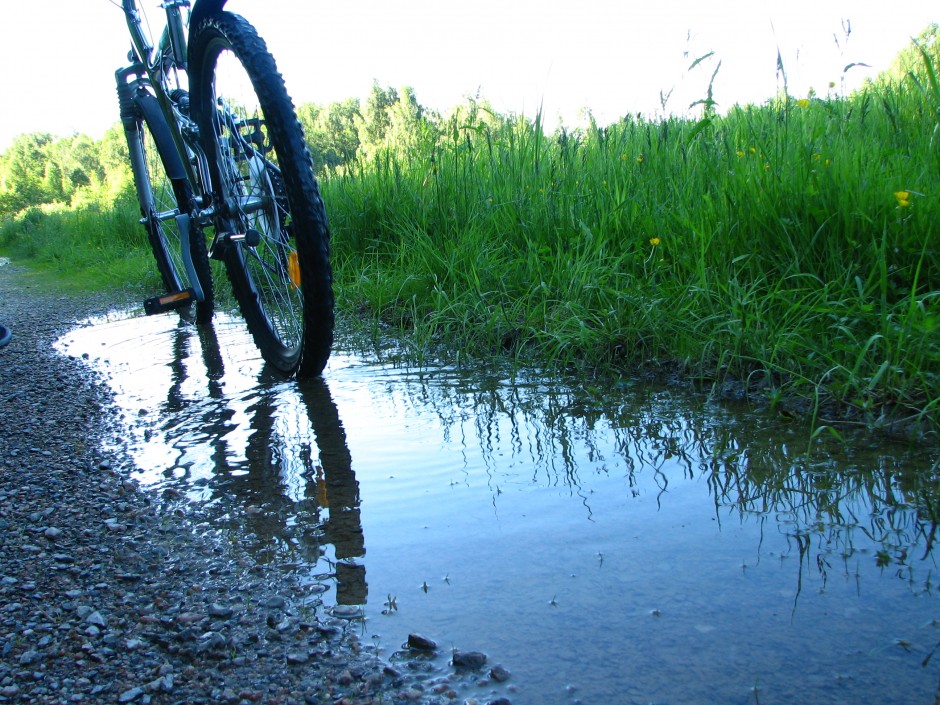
[(615, 544)]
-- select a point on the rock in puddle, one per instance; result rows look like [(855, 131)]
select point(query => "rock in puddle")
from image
[(499, 674), (418, 642), (469, 660)]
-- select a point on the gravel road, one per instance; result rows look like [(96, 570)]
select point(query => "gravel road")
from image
[(110, 593)]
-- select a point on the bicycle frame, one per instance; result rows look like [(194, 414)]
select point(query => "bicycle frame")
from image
[(153, 70), (149, 69)]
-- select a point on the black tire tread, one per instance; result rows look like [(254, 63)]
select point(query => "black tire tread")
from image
[(307, 210)]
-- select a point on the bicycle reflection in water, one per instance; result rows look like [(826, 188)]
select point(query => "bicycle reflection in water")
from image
[(274, 459)]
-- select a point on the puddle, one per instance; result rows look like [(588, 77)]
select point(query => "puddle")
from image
[(625, 545)]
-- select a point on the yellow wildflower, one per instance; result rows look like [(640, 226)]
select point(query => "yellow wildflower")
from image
[(639, 159), (904, 198), (740, 153), (803, 102), (654, 241)]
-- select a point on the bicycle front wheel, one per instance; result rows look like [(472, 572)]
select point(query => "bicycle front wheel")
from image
[(162, 199), (271, 223)]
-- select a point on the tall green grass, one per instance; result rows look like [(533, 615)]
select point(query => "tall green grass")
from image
[(790, 247), (95, 244)]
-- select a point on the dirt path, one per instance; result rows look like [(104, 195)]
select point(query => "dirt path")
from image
[(109, 593)]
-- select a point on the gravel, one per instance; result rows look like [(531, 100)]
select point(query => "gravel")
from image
[(113, 593)]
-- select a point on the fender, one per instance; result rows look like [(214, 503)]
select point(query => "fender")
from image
[(203, 9)]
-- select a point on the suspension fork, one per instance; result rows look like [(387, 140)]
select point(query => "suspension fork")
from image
[(139, 107)]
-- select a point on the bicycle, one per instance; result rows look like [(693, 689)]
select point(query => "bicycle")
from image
[(222, 172)]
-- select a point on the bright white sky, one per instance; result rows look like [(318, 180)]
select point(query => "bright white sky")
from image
[(612, 56)]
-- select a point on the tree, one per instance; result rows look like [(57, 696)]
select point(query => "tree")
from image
[(375, 119), (81, 162), (407, 124), (331, 132), (23, 170), (307, 115)]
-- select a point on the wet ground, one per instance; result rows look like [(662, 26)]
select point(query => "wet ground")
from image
[(620, 544)]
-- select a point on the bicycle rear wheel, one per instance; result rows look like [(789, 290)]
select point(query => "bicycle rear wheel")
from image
[(162, 199), (265, 194)]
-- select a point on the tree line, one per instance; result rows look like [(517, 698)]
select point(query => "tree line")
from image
[(39, 168)]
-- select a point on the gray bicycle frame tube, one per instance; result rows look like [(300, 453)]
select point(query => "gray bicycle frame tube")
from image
[(152, 64), (151, 61)]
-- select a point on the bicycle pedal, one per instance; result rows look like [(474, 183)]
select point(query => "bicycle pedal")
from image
[(169, 302)]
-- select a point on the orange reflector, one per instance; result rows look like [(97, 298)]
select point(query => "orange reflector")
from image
[(293, 268)]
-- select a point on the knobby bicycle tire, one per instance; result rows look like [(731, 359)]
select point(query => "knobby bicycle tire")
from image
[(263, 189), (166, 194)]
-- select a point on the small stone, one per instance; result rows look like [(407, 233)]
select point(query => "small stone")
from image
[(211, 641), (421, 643), (52, 533), (162, 684), (29, 657), (472, 660), (499, 674), (346, 611), (275, 603), (95, 619), (220, 611), (297, 658), (130, 695)]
